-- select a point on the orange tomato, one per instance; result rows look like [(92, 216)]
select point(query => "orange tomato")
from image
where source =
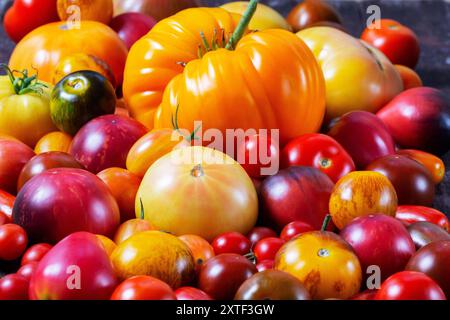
[(324, 263), (96, 10), (157, 254), (201, 250), (123, 186), (107, 243), (409, 77), (53, 141), (151, 147), (271, 80), (43, 48), (130, 228), (361, 193), (433, 164)]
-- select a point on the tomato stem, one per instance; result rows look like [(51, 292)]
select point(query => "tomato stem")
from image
[(326, 222), (24, 84), (243, 24)]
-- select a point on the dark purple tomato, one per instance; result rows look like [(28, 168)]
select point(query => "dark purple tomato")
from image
[(259, 233), (424, 232)]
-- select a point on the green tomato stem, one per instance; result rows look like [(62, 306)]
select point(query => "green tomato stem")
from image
[(326, 222), (243, 24)]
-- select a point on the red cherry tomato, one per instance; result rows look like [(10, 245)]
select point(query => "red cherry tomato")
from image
[(293, 229), (410, 285), (26, 15), (258, 154), (13, 241), (28, 269), (411, 214), (14, 287), (266, 249), (190, 293), (265, 265), (6, 204), (143, 288), (399, 43), (231, 242), (319, 151), (259, 233), (35, 253)]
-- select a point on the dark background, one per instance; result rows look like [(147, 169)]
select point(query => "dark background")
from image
[(430, 19)]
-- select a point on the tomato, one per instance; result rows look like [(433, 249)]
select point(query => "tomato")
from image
[(159, 9), (14, 287), (259, 156), (53, 141), (284, 77), (28, 270), (399, 43), (107, 244), (198, 181), (96, 10), (4, 219), (123, 186), (411, 214), (190, 293), (433, 164), (231, 242), (143, 288), (293, 229), (35, 253), (265, 265), (423, 233), (324, 263), (25, 16), (201, 250), (259, 233), (365, 295), (44, 47), (24, 107), (266, 249), (6, 204), (310, 12), (151, 147), (410, 285), (409, 77), (130, 228), (13, 241), (318, 151)]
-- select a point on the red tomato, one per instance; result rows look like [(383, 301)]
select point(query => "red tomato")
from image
[(14, 287), (259, 233), (257, 154), (143, 288), (4, 219), (27, 270), (265, 265), (411, 214), (365, 295), (13, 241), (266, 249), (319, 151), (231, 242), (190, 293), (35, 253), (410, 285), (26, 15), (293, 229), (399, 43), (6, 204)]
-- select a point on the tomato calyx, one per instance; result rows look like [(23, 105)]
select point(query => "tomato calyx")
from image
[(216, 42), (24, 84), (243, 24)]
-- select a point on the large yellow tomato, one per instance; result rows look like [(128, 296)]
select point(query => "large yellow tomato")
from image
[(324, 263), (265, 17), (357, 76), (197, 190)]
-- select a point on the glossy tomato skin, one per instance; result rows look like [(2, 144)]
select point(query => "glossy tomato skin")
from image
[(191, 293), (267, 249), (27, 270), (409, 77), (53, 141), (14, 287), (201, 250), (35, 253), (6, 205), (231, 242), (293, 229), (113, 137), (159, 9), (310, 12), (433, 164), (221, 276), (305, 197), (13, 241), (130, 228), (4, 219), (101, 11), (21, 18), (108, 245), (272, 285), (410, 285), (399, 43), (143, 288), (410, 214), (265, 265), (423, 233), (259, 233), (318, 151), (132, 26)]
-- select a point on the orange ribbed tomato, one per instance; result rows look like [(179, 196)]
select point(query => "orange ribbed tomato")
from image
[(43, 48), (271, 79)]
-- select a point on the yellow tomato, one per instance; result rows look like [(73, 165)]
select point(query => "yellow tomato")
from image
[(264, 18), (107, 243), (197, 190), (357, 76), (53, 141), (130, 228)]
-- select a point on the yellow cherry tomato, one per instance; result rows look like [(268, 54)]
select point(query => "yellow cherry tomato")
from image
[(53, 141)]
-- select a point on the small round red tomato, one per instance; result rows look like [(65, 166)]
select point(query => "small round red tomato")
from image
[(293, 229), (259, 233), (35, 253), (410, 285), (13, 241), (267, 249), (6, 204), (143, 288), (399, 43), (259, 155), (265, 265), (410, 214), (14, 287), (319, 151), (191, 293), (27, 270), (231, 242)]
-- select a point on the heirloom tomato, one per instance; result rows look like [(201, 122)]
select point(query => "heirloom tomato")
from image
[(201, 250), (107, 244), (35, 253), (159, 9), (132, 26), (310, 12), (259, 233), (130, 228), (45, 46), (191, 293), (433, 164), (13, 241), (95, 10), (409, 77), (253, 86), (266, 249), (411, 214), (14, 287), (293, 229), (143, 288), (231, 242), (6, 204), (27, 270), (424, 232), (53, 141)]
